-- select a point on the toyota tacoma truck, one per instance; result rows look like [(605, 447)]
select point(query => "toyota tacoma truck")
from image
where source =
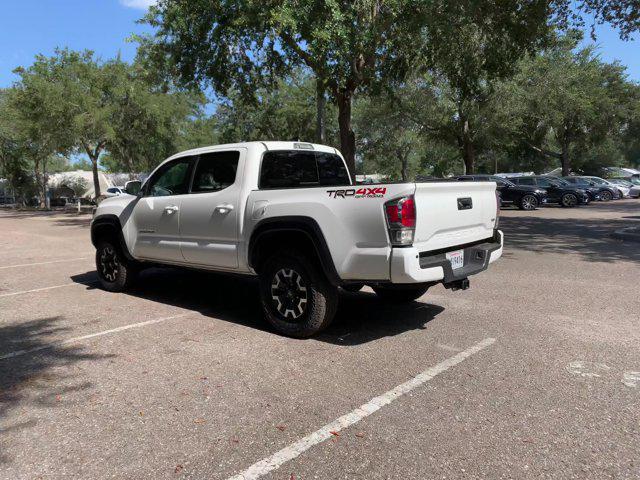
[(290, 214)]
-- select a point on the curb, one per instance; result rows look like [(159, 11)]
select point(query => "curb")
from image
[(630, 234)]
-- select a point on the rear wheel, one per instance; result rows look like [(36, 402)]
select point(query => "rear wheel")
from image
[(297, 299), (606, 195), (528, 202), (401, 293), (115, 272), (569, 200)]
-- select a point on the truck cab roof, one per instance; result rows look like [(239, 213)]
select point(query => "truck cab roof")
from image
[(260, 145)]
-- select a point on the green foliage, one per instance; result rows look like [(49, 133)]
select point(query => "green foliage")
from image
[(565, 100), (147, 124), (620, 14), (285, 111), (363, 45), (396, 155)]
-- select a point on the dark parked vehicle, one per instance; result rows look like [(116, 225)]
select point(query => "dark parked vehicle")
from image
[(596, 191), (524, 197), (557, 190)]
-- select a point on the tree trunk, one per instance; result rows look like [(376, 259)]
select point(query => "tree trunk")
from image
[(404, 164), (321, 104), (94, 155), (96, 179), (468, 150), (347, 136), (565, 161), (39, 183)]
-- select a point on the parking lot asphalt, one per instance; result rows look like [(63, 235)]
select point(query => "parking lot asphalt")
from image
[(533, 372)]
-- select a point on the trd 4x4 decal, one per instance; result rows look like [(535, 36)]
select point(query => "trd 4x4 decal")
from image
[(375, 192)]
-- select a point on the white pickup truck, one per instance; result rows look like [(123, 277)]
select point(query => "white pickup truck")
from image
[(289, 213)]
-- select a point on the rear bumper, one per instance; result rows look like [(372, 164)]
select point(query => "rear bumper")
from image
[(408, 265)]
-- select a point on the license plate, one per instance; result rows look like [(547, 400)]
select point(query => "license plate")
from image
[(456, 258)]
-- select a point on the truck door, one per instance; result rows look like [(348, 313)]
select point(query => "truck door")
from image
[(209, 226), (156, 215)]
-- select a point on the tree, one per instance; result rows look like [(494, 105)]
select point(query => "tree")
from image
[(285, 111), (14, 166), (349, 45), (396, 154), (568, 98), (149, 122), (623, 15), (64, 101)]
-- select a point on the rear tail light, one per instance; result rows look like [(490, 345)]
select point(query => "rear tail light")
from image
[(401, 220)]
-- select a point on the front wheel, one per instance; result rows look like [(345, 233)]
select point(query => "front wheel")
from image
[(115, 272), (606, 196), (297, 299), (569, 200), (401, 293), (528, 202)]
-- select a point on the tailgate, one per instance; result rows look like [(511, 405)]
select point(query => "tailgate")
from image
[(454, 213)]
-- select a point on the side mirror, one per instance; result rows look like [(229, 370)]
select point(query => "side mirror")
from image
[(133, 187)]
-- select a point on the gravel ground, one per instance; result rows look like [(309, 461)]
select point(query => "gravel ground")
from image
[(181, 378)]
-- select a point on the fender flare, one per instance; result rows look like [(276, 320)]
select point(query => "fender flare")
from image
[(306, 225), (112, 222)]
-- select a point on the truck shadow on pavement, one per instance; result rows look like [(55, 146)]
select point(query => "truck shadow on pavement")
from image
[(361, 316), (32, 366), (589, 238)]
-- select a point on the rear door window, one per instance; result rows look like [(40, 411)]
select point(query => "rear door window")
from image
[(296, 169)]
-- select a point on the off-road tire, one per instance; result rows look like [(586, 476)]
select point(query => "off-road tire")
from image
[(292, 271), (115, 272), (401, 294)]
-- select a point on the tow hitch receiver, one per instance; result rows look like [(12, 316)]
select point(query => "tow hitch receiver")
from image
[(458, 284)]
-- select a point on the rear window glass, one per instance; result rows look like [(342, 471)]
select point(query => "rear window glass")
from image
[(296, 169)]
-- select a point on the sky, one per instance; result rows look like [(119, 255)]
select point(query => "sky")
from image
[(29, 27)]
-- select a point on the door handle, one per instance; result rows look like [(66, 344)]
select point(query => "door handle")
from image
[(224, 208), (171, 209)]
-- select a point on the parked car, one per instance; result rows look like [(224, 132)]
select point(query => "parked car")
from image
[(557, 191), (596, 192), (524, 197), (114, 191), (597, 181), (289, 213), (632, 191)]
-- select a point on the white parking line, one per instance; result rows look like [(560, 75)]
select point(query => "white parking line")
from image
[(21, 292), (276, 460), (45, 263), (19, 353)]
